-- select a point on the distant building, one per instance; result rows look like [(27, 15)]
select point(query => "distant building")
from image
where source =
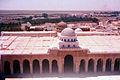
[(61, 25), (26, 26), (50, 27)]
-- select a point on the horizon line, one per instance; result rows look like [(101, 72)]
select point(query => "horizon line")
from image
[(59, 10)]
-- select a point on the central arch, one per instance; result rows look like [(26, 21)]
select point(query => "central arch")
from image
[(68, 63)]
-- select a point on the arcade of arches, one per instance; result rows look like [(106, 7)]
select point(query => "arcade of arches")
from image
[(70, 64)]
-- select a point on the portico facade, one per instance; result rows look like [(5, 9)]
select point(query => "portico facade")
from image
[(109, 63)]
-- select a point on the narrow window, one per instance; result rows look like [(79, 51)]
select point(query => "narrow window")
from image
[(71, 40), (68, 40), (65, 40)]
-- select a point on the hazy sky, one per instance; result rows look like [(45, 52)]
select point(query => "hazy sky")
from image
[(60, 5)]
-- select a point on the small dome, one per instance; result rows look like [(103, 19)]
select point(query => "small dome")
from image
[(78, 30), (68, 32)]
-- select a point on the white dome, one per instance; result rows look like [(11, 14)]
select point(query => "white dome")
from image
[(68, 32), (78, 30)]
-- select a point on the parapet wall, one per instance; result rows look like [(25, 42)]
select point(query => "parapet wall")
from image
[(31, 33), (95, 33)]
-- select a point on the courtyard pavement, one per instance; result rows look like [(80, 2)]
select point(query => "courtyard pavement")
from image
[(81, 76)]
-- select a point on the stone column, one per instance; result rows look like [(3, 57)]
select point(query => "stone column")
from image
[(60, 65), (11, 67), (119, 65), (104, 65), (31, 70), (50, 67), (112, 66), (86, 65), (95, 66), (40, 67), (21, 67), (77, 66), (2, 67)]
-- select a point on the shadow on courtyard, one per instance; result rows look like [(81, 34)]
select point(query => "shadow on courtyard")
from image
[(64, 75)]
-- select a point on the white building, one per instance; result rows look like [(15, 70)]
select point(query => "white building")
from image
[(50, 27)]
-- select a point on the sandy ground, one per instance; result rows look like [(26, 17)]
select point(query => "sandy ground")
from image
[(83, 76)]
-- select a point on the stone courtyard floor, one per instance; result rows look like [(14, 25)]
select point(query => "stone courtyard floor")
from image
[(82, 76)]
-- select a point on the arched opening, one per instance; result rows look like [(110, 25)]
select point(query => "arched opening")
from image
[(36, 66), (82, 66), (71, 40), (117, 65), (16, 66), (68, 63), (7, 69), (100, 65), (26, 66), (45, 66), (74, 46), (91, 65), (108, 65), (68, 46), (65, 40), (54, 66)]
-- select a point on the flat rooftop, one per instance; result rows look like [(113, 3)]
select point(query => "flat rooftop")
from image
[(40, 45), (26, 45)]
